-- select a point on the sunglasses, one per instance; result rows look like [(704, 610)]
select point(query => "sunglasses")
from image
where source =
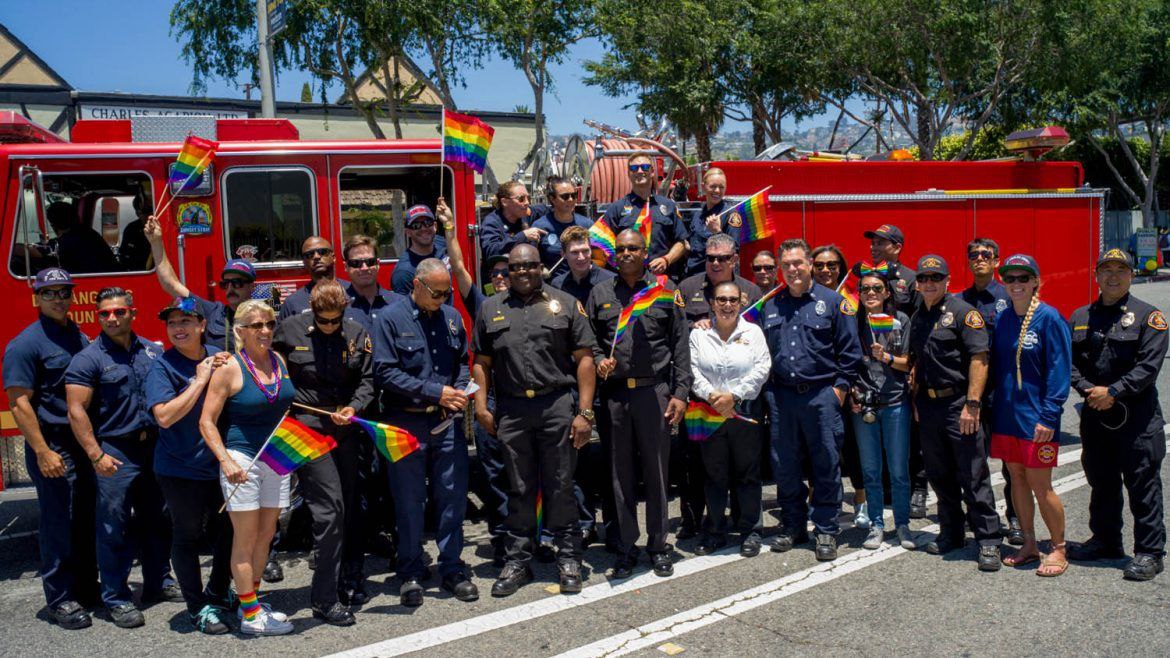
[(268, 324), (567, 196), (523, 198), (440, 294), (622, 250), (827, 266), (933, 278), (50, 295), (980, 254), (520, 267), (874, 288), (111, 313), (327, 321), (1016, 278), (641, 167), (499, 272), (422, 223), (725, 258), (358, 263), (727, 300), (763, 268), (319, 251), (233, 283)]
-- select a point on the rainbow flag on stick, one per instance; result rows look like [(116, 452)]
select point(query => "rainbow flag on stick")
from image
[(539, 513), (194, 157), (644, 224), (466, 139), (848, 289), (393, 442), (881, 323), (601, 237), (639, 304), (293, 445), (702, 420), (752, 314), (755, 217)]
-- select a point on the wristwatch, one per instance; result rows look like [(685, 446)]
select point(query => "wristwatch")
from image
[(587, 414), (973, 403)]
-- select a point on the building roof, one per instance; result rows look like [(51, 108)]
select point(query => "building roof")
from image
[(19, 65), (371, 85)]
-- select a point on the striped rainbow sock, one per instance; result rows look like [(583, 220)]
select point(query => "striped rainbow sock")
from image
[(250, 605)]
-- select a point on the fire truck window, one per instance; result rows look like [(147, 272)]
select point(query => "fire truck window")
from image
[(374, 202), (269, 213), (91, 224)]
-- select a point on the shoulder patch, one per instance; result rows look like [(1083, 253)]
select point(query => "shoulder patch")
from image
[(581, 310), (735, 220), (1157, 321), (678, 300), (974, 319), (847, 308), (368, 346)]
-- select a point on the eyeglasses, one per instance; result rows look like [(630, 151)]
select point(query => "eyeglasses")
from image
[(727, 300), (111, 313), (319, 251), (763, 268), (978, 254), (1016, 278), (268, 324), (327, 321), (720, 258), (422, 223), (622, 250), (58, 294), (233, 283), (874, 288), (436, 294), (523, 198), (499, 272), (567, 196), (933, 278), (520, 267), (358, 263), (646, 167), (834, 265)]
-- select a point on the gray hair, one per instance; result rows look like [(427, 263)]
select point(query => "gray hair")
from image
[(429, 266), (723, 240)]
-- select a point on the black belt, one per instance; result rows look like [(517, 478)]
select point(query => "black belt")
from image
[(634, 382), (140, 435), (529, 393), (937, 393), (801, 388), (422, 410)]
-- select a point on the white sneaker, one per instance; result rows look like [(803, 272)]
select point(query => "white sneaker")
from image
[(905, 538), (874, 539), (266, 609), (265, 624), (860, 517)]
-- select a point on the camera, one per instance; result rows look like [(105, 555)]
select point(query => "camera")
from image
[(868, 402)]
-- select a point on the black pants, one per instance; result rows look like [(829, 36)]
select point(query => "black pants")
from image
[(539, 456), (918, 477), (194, 507), (637, 426), (688, 474), (329, 485), (956, 465), (489, 480), (731, 459), (1131, 455)]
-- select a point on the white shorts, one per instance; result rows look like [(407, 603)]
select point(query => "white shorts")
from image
[(264, 487)]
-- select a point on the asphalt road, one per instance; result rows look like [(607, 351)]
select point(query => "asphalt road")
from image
[(884, 602)]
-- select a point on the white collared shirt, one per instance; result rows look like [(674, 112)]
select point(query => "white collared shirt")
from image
[(739, 366)]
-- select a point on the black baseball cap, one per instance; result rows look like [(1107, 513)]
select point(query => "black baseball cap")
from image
[(52, 276), (1115, 256), (933, 264), (1022, 262), (185, 305), (887, 231)]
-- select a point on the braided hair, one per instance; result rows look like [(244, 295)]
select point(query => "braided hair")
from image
[(1032, 306)]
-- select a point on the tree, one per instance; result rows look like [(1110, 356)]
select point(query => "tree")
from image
[(451, 39)]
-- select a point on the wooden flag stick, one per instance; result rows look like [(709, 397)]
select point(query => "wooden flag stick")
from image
[(251, 464)]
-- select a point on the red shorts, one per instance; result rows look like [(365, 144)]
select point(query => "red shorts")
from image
[(1013, 450)]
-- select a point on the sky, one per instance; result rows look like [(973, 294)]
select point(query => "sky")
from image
[(125, 45)]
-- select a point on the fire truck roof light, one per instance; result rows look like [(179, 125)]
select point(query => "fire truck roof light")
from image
[(15, 128)]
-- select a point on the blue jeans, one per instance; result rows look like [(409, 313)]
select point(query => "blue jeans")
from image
[(890, 432)]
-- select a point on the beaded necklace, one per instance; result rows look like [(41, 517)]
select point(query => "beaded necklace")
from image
[(269, 395)]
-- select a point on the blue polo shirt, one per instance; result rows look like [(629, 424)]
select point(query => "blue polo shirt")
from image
[(581, 289), (37, 359), (181, 452), (550, 247), (401, 280), (219, 322), (416, 354), (813, 341), (118, 379), (365, 312)]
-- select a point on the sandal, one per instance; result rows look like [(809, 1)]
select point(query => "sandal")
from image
[(1048, 563), (1018, 560)]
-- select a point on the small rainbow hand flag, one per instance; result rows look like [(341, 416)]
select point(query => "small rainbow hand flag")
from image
[(644, 224), (702, 420), (293, 445), (848, 289), (193, 159), (755, 217), (639, 304), (865, 268), (881, 323), (752, 314), (466, 139), (393, 442), (539, 513), (601, 237)]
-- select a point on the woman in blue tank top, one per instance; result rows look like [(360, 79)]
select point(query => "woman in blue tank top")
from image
[(255, 391)]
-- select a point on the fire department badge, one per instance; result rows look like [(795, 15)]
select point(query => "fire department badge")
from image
[(1127, 320), (1046, 453), (820, 307), (948, 319), (900, 286), (581, 310), (932, 263), (368, 347), (1000, 305), (451, 326), (554, 307), (662, 209), (735, 221), (247, 252), (973, 319), (1157, 321)]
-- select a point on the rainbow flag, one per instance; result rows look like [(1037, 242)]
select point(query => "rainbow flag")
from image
[(466, 139), (293, 445), (394, 443), (193, 159), (644, 224), (639, 304), (601, 237), (539, 513), (881, 323), (865, 268), (755, 217), (752, 314), (702, 420), (848, 289)]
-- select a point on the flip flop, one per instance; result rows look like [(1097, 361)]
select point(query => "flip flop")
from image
[(1049, 562), (1016, 560)]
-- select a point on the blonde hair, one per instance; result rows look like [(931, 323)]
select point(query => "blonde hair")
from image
[(243, 312), (1032, 306), (713, 171)]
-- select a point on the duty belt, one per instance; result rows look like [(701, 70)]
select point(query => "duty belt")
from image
[(140, 435), (936, 393), (634, 382), (421, 410), (532, 393)]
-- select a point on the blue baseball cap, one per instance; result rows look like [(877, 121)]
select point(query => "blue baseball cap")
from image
[(183, 305), (1022, 262), (52, 276), (240, 266), (418, 212)]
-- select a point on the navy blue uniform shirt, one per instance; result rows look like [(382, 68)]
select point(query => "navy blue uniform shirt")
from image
[(812, 338), (181, 452), (363, 311), (402, 279), (118, 380), (37, 358), (669, 226), (731, 224), (298, 302), (550, 246), (497, 236), (219, 322), (990, 302), (581, 289), (417, 353)]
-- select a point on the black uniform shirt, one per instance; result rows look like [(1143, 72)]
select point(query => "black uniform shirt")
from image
[(902, 286), (655, 346), (330, 371), (942, 341), (697, 293), (531, 342), (1120, 346)]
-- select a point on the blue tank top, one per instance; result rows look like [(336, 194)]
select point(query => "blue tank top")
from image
[(251, 418)]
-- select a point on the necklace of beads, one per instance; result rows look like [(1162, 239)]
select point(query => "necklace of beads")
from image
[(270, 392)]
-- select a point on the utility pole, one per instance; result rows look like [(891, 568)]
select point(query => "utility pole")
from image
[(267, 92)]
